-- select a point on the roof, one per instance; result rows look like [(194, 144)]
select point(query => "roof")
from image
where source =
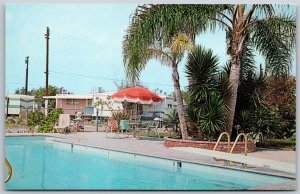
[(77, 96), (68, 96), (168, 97), (19, 96)]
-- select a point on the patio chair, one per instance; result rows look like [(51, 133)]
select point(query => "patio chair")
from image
[(151, 126), (124, 127), (113, 127), (64, 124)]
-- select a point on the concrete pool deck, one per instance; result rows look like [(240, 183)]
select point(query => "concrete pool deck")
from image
[(266, 159)]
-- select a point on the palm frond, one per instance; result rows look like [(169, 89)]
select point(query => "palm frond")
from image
[(212, 116), (224, 85), (275, 38), (180, 44), (263, 10), (156, 25), (202, 71)]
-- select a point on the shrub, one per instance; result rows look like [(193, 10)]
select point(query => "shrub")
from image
[(171, 118), (207, 92), (35, 118), (120, 115), (286, 144), (48, 123)]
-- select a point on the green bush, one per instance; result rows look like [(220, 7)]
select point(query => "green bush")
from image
[(286, 144), (48, 123), (171, 118), (121, 115), (35, 118)]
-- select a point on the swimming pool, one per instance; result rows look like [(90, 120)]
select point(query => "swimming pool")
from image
[(39, 163)]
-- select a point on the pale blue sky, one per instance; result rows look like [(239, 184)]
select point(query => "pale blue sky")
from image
[(85, 47)]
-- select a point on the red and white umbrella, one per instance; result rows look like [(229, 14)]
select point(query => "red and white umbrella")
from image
[(137, 95)]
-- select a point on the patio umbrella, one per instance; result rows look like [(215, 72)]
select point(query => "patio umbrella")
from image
[(136, 95)]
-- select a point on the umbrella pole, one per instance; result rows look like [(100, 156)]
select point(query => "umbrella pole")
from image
[(137, 110)]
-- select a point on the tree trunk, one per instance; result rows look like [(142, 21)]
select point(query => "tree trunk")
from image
[(236, 47), (234, 82), (182, 121)]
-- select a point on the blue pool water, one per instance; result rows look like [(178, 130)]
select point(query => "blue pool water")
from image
[(40, 163)]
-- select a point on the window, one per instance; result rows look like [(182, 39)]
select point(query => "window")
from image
[(89, 102), (88, 110), (72, 101)]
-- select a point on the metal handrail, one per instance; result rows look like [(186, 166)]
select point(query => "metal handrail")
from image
[(232, 148), (10, 170), (228, 141), (245, 140)]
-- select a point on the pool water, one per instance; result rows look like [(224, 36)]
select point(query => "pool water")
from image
[(39, 163)]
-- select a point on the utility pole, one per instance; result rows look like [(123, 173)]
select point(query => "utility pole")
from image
[(26, 80), (47, 58), (97, 121), (47, 65), (26, 90)]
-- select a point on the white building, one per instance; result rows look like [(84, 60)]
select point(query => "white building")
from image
[(165, 105), (15, 103), (105, 105)]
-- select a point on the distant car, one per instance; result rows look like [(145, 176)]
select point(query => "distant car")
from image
[(151, 115)]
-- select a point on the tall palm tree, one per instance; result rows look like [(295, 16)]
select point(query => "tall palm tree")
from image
[(170, 55), (270, 30)]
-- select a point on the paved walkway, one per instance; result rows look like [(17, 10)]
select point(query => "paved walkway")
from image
[(249, 160)]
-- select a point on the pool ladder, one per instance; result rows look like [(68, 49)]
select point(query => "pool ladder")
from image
[(10, 170), (232, 148)]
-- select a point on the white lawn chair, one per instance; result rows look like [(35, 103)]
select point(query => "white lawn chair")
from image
[(64, 124)]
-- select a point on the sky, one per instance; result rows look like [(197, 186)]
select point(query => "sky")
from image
[(85, 48)]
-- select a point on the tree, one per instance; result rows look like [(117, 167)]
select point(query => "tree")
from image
[(270, 31), (170, 55), (281, 97), (100, 90), (41, 92), (126, 84), (22, 91)]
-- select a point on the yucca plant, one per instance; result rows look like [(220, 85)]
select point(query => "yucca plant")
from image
[(172, 118), (210, 88), (206, 106), (212, 115)]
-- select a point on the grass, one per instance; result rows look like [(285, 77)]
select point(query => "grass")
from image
[(283, 144), (153, 134)]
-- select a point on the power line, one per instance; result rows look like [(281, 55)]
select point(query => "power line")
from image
[(105, 78), (15, 83), (88, 76)]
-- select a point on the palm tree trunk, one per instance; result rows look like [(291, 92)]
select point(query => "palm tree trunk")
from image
[(234, 82), (182, 121), (236, 47)]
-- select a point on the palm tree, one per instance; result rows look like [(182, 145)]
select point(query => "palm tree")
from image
[(269, 30), (170, 55)]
